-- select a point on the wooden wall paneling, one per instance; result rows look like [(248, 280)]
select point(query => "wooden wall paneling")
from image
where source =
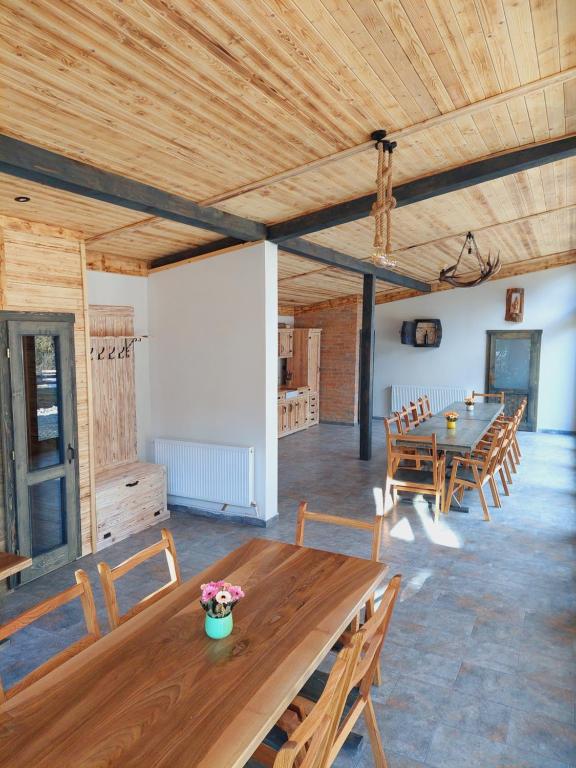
[(90, 400), (30, 285), (111, 320), (114, 402)]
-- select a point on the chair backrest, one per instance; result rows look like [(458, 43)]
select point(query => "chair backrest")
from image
[(424, 406), (83, 590), (109, 575), (310, 743), (404, 417), (490, 457), (374, 631), (393, 425), (375, 526), (414, 414), (488, 395), (402, 447)]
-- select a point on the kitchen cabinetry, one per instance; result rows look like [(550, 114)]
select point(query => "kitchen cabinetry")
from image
[(293, 412), (285, 342), (299, 403)]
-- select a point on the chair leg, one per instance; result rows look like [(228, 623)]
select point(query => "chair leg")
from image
[(511, 461), (461, 494), (450, 492), (437, 505), (374, 734), (483, 503), (504, 483), (494, 489), (507, 470)]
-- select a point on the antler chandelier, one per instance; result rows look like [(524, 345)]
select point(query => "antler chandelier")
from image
[(488, 267), (384, 203)]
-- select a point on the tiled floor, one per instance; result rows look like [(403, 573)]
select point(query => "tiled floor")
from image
[(480, 662)]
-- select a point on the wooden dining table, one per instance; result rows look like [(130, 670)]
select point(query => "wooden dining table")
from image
[(156, 692), (470, 427)]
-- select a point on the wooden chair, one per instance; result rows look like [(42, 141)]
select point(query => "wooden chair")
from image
[(474, 472), (83, 590), (405, 420), (374, 526), (415, 416), (487, 395), (399, 477), (358, 695), (109, 575), (306, 738), (424, 406), (394, 425)]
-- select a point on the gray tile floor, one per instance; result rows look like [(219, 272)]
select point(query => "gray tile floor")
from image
[(479, 666)]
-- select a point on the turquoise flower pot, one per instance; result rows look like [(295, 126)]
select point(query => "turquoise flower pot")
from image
[(218, 628)]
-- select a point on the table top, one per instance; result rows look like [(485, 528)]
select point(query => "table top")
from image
[(11, 564), (481, 412), (157, 692), (468, 432)]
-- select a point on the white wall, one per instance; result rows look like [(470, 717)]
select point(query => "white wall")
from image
[(214, 353), (466, 315), (125, 290)]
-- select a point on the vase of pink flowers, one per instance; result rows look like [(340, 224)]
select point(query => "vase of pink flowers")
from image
[(218, 599)]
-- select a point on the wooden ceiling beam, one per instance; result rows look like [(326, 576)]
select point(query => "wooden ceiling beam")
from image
[(461, 177), (343, 261), (27, 161)]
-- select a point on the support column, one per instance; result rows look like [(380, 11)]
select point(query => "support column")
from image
[(367, 366)]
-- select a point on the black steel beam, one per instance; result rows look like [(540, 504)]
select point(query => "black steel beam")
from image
[(340, 260), (367, 366), (53, 170), (428, 187)]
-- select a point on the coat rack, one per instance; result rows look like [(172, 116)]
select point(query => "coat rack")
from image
[(118, 351)]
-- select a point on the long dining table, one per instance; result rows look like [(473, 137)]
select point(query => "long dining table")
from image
[(156, 692), (470, 428)]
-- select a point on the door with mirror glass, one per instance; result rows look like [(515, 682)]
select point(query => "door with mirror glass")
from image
[(43, 435), (513, 368)]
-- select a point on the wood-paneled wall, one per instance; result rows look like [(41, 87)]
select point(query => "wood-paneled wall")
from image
[(42, 270)]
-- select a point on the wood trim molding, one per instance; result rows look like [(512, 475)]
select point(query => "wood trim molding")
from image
[(200, 257), (538, 264), (91, 452)]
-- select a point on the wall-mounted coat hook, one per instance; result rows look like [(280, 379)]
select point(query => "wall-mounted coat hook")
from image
[(101, 353), (111, 354), (122, 352)]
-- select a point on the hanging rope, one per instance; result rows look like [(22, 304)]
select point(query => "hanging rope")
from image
[(384, 204)]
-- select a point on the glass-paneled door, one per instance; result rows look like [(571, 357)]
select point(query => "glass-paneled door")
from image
[(44, 442), (513, 368)]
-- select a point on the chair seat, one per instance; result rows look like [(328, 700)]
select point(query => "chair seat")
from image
[(420, 476), (312, 691)]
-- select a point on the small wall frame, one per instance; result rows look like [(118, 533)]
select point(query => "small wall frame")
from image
[(515, 305)]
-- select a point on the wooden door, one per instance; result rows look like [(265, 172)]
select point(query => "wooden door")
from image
[(314, 360), (40, 437), (513, 367)]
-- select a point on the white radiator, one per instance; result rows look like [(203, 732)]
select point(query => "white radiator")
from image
[(440, 397), (208, 472)]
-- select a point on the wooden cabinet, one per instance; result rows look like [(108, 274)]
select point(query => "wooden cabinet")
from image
[(129, 498), (304, 365), (303, 368), (285, 342), (293, 413)]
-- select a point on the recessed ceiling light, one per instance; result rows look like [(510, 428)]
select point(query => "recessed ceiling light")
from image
[(22, 199)]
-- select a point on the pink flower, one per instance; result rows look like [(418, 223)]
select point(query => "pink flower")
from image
[(236, 592)]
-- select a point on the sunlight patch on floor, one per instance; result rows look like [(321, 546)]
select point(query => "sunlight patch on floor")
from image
[(403, 530), (438, 533)]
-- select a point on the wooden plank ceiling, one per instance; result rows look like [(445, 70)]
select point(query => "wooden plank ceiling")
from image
[(201, 97)]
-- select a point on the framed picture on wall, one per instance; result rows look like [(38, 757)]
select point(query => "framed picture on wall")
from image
[(515, 305)]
